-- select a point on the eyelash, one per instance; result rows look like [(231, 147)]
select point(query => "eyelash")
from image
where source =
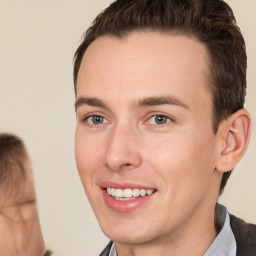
[(97, 116), (87, 118), (166, 118), (104, 120)]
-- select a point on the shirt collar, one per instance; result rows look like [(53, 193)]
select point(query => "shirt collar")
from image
[(224, 243), (112, 250)]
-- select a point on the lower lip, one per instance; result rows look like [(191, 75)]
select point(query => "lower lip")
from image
[(125, 206)]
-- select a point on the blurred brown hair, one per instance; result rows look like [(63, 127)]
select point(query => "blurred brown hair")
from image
[(12, 156)]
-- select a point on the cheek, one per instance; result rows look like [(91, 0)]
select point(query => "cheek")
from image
[(88, 154), (7, 246), (183, 168), (84, 163), (184, 158), (83, 156)]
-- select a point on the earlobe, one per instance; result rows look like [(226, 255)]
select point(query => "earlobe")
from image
[(235, 138)]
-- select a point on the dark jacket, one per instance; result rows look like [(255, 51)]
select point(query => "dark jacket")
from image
[(245, 235), (48, 253), (107, 249)]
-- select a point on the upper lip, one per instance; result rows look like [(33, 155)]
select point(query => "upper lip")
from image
[(123, 185)]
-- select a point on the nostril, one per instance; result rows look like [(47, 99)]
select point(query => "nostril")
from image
[(126, 166)]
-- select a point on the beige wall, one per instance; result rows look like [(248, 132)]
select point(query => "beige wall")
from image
[(37, 42)]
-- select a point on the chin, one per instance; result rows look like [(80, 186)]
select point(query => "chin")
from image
[(129, 233), (125, 238)]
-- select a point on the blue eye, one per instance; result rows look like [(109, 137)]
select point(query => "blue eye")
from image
[(96, 120), (159, 119)]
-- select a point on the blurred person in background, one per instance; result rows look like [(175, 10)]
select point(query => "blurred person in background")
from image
[(20, 231)]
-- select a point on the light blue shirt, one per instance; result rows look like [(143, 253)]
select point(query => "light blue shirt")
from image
[(224, 243)]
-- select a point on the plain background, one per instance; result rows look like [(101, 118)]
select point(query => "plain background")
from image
[(37, 41)]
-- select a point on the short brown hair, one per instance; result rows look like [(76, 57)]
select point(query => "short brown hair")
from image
[(12, 156), (211, 22)]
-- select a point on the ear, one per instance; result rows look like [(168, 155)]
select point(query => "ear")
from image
[(234, 135)]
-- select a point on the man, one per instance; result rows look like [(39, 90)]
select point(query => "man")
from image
[(20, 232), (160, 88)]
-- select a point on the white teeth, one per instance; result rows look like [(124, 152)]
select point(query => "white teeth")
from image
[(149, 191), (135, 192), (124, 198), (109, 190), (128, 193), (119, 193), (143, 192)]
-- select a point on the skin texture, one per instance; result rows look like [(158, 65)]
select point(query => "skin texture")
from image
[(20, 231), (178, 158)]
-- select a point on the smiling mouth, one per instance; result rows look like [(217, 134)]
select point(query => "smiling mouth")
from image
[(128, 193)]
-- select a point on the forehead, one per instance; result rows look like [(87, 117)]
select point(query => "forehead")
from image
[(144, 62)]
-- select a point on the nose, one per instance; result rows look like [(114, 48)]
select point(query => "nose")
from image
[(122, 149)]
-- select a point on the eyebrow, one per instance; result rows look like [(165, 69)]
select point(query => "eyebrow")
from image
[(167, 100), (90, 102), (144, 102)]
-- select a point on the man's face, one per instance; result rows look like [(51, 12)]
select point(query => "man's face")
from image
[(144, 126)]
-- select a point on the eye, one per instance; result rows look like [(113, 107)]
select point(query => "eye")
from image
[(159, 119), (96, 120)]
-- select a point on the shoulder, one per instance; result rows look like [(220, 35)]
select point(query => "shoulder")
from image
[(245, 235), (106, 251)]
